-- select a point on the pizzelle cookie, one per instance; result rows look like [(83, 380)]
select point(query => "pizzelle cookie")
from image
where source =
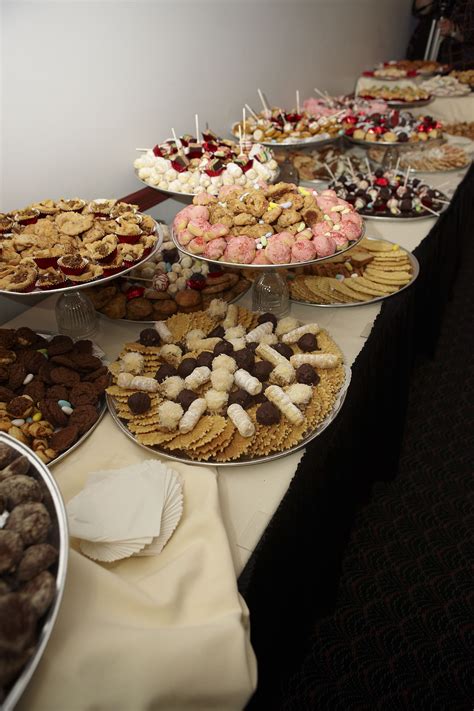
[(220, 379)]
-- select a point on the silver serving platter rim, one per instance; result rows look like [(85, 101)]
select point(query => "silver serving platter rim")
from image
[(418, 145), (95, 282), (256, 460), (415, 265), (23, 680), (290, 265)]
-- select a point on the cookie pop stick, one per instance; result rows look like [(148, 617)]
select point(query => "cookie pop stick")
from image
[(406, 176), (249, 108), (323, 96), (264, 103), (240, 140), (371, 177), (330, 171), (143, 150), (351, 168), (196, 121), (297, 101), (244, 125)]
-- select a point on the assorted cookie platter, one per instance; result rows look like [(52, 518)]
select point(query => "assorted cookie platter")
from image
[(280, 225), (66, 245), (51, 391), (226, 386), (35, 546), (373, 271)]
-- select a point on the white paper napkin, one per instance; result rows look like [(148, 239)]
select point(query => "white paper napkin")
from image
[(126, 512)]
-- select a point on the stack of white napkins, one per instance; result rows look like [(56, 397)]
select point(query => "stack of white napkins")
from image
[(127, 512)]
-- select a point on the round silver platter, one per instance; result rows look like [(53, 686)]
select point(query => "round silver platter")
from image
[(101, 407), (94, 282), (418, 145), (242, 462), (60, 539), (176, 194), (415, 268), (409, 104), (290, 265)]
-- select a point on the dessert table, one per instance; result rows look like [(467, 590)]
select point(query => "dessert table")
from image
[(166, 608)]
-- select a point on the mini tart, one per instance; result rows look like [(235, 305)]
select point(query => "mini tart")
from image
[(73, 264), (6, 224), (45, 207), (100, 208), (26, 217), (72, 205), (103, 250), (128, 232), (147, 242), (45, 258), (21, 278), (116, 266), (93, 271), (130, 253), (123, 208), (148, 224), (50, 279)]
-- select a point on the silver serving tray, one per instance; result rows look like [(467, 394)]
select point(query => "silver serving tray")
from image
[(94, 282), (409, 104), (290, 265), (242, 462), (415, 266), (54, 503), (397, 145)]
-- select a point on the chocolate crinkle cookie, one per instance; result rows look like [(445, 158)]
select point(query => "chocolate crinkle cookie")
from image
[(7, 455), (32, 521), (17, 623), (35, 559), (19, 489), (11, 550), (39, 592), (19, 465)]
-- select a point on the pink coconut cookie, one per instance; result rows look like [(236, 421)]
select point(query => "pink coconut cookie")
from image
[(240, 250), (260, 257), (215, 249), (216, 232), (197, 245), (303, 251), (278, 251), (325, 246), (198, 226)]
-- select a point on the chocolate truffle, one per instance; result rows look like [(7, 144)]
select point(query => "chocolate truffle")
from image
[(283, 349), (18, 489), (240, 397), (185, 398), (31, 521), (149, 337), (217, 332), (11, 550), (307, 375), (165, 371), (139, 403), (245, 358), (262, 370), (308, 343), (205, 358), (268, 414), (35, 560), (186, 367), (263, 318), (224, 347)]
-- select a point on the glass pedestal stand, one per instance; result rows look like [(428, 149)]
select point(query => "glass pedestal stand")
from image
[(76, 315), (270, 293)]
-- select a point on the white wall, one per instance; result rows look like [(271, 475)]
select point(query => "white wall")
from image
[(84, 83)]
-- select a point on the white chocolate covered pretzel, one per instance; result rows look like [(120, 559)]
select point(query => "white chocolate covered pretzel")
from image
[(198, 377), (163, 332), (318, 360), (192, 415), (258, 332), (247, 382), (295, 335), (279, 398), (241, 420)]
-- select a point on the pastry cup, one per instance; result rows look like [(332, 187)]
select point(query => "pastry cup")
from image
[(72, 265), (129, 239), (6, 224), (46, 262), (27, 217), (72, 205)]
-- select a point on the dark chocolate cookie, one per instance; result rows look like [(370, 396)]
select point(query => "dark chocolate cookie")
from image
[(53, 413), (6, 394), (83, 394), (25, 337), (36, 559), (35, 390), (65, 376), (59, 345), (32, 521), (57, 392), (63, 439), (18, 373), (84, 417)]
